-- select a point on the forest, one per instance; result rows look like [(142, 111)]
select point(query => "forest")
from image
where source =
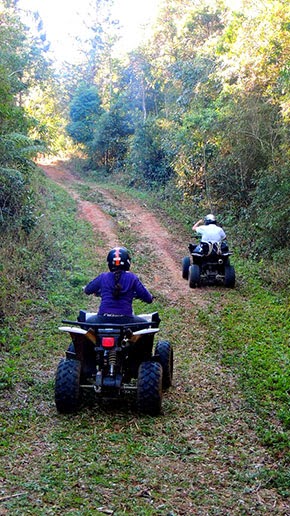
[(194, 120), (200, 113)]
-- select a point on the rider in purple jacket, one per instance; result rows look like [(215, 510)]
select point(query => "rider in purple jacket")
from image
[(117, 289)]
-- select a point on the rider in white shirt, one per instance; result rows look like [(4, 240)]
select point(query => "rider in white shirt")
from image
[(209, 231)]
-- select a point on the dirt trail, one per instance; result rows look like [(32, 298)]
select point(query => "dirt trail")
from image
[(89, 211), (138, 219), (219, 451)]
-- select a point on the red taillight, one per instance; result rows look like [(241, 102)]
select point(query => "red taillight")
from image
[(108, 342)]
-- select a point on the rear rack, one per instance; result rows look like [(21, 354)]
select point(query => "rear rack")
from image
[(103, 326)]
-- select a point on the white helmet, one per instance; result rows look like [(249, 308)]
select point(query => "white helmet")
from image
[(209, 219)]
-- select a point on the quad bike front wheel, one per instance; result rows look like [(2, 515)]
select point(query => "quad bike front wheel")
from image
[(149, 388), (230, 276), (185, 267), (164, 353), (194, 276), (67, 386)]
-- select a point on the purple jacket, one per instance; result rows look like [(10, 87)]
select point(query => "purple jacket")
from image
[(103, 285)]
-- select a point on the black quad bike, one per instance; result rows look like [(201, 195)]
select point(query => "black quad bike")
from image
[(114, 361), (209, 264)]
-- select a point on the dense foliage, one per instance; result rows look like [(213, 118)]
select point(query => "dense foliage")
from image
[(208, 103), (32, 107), (201, 110), (21, 59)]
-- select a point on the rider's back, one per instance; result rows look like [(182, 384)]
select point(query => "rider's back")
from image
[(211, 233)]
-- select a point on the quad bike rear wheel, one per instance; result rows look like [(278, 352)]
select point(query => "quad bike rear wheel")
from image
[(164, 353), (67, 386), (149, 388), (185, 267), (230, 276), (194, 276)]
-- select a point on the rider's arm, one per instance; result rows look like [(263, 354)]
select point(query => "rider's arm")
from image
[(141, 292), (94, 287), (195, 226)]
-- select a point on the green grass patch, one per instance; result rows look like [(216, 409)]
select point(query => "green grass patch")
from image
[(250, 334), (42, 275)]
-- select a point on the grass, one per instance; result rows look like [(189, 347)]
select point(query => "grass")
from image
[(250, 334), (201, 456)]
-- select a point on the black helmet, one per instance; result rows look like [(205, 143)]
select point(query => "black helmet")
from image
[(119, 259), (209, 219)]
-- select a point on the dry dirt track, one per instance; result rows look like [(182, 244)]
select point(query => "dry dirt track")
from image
[(138, 219), (222, 454)]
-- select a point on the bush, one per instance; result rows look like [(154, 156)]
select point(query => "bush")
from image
[(147, 159)]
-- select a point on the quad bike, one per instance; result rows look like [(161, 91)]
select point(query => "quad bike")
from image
[(208, 263), (114, 361)]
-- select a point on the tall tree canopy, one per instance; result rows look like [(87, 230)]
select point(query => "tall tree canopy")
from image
[(21, 60), (202, 106)]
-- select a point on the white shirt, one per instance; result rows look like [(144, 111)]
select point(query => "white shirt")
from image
[(211, 233)]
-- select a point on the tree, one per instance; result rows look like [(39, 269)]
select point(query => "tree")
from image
[(85, 110), (147, 156), (17, 149), (110, 141), (98, 48)]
